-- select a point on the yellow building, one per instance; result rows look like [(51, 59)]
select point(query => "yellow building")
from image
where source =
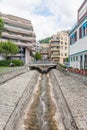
[(59, 45)]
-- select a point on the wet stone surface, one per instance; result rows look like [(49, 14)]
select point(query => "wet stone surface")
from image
[(42, 110)]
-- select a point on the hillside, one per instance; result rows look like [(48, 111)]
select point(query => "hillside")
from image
[(46, 40)]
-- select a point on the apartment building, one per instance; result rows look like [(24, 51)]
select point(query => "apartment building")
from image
[(37, 47), (44, 50), (20, 31), (59, 44), (78, 39)]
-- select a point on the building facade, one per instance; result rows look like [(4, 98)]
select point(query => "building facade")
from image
[(37, 47), (59, 47), (78, 40), (20, 31), (44, 50)]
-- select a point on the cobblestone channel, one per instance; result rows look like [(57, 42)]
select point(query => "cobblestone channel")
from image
[(42, 110)]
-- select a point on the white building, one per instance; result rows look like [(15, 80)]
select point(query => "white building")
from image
[(78, 40), (20, 31)]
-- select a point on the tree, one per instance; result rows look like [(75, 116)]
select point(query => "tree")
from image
[(7, 48), (38, 56), (67, 59), (1, 26)]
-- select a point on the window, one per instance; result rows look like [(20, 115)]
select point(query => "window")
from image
[(83, 30), (65, 43), (65, 54), (76, 58), (65, 48), (71, 58), (80, 32), (73, 38)]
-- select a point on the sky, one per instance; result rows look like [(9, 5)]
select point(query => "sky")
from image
[(47, 16)]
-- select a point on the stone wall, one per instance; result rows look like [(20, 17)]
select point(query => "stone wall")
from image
[(6, 76), (67, 118), (22, 103)]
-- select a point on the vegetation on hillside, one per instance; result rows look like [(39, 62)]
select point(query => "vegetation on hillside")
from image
[(46, 40)]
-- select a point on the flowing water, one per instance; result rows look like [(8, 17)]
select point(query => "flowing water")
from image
[(42, 110)]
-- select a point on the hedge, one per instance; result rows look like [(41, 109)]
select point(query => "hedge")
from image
[(15, 62)]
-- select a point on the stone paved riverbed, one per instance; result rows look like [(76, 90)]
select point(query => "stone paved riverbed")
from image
[(42, 111)]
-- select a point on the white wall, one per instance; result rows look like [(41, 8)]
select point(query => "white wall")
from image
[(79, 46)]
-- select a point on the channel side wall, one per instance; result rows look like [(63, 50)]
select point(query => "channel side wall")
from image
[(21, 103), (66, 115)]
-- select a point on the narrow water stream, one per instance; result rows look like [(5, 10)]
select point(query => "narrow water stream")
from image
[(42, 110)]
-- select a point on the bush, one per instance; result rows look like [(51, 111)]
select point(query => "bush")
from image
[(17, 62), (7, 62), (62, 66)]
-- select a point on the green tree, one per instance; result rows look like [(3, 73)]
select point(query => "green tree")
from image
[(7, 48), (67, 59), (1, 26), (38, 56)]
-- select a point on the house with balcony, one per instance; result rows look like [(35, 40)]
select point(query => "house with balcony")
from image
[(78, 39), (44, 50), (20, 31), (59, 47)]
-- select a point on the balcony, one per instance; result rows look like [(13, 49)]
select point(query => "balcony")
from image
[(55, 49), (7, 35), (54, 40), (28, 38), (28, 45), (18, 37), (54, 56), (18, 30), (55, 45), (18, 23)]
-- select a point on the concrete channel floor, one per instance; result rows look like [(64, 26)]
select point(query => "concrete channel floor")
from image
[(10, 93), (75, 93)]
